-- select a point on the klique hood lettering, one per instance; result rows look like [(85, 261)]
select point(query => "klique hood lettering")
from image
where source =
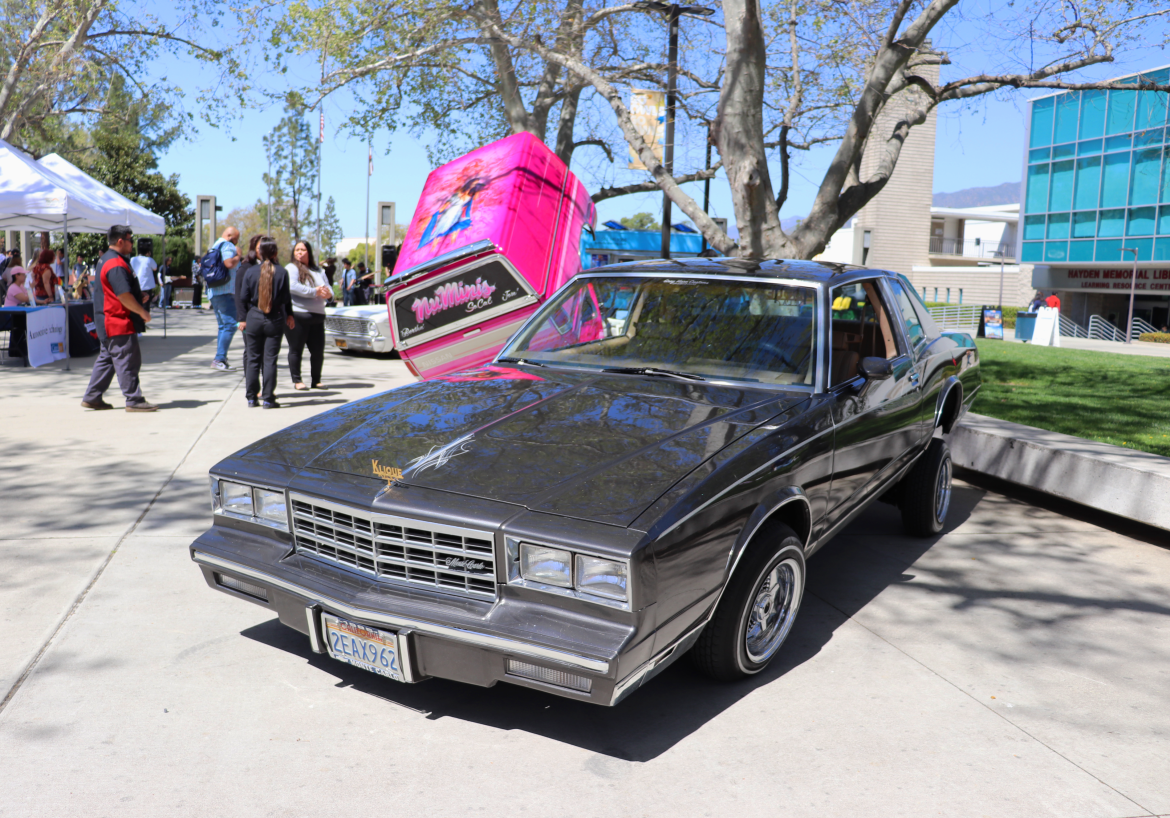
[(576, 444)]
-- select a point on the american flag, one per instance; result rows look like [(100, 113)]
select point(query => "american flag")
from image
[(371, 171), (322, 137)]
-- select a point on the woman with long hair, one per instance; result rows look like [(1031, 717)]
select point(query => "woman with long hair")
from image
[(310, 290), (265, 307), (45, 279)]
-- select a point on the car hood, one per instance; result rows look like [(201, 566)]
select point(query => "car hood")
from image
[(364, 311), (598, 447)]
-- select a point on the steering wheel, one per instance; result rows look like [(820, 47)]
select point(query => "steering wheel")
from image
[(759, 345)]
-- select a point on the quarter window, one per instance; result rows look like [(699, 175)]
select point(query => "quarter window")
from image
[(914, 329)]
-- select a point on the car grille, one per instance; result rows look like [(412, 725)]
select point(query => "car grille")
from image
[(349, 326), (396, 550)]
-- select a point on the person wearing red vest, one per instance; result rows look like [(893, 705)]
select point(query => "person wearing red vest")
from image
[(119, 315)]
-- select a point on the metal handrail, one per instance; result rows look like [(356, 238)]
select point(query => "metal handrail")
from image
[(1102, 330), (964, 318), (1071, 329), (970, 248), (1141, 326)]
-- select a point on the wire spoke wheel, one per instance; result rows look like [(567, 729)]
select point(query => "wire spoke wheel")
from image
[(942, 492), (772, 611)]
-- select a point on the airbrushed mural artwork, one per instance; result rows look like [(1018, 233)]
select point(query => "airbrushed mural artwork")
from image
[(494, 234)]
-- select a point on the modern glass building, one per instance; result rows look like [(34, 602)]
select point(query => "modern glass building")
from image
[(1097, 180)]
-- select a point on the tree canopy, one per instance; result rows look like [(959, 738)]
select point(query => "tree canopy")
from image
[(121, 153), (59, 59), (766, 79)]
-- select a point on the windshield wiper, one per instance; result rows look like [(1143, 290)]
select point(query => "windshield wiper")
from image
[(652, 370), (519, 361)]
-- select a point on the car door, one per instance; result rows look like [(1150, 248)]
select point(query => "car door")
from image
[(877, 424), (917, 339)]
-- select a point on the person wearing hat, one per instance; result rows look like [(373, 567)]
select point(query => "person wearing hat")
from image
[(119, 316)]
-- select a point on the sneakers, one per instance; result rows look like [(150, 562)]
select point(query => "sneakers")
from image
[(141, 407), (253, 403), (270, 404), (96, 404), (222, 366)]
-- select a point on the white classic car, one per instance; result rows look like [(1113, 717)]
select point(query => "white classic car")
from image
[(366, 327)]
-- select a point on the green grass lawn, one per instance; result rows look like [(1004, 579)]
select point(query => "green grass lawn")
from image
[(1118, 399)]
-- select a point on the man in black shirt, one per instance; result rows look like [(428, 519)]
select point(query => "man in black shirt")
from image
[(119, 315)]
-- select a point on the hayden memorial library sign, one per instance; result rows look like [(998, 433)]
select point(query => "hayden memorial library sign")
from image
[(1045, 277)]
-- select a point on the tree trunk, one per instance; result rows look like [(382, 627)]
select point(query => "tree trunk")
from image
[(740, 132)]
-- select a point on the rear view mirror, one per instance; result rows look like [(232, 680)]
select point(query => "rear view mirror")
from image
[(875, 369)]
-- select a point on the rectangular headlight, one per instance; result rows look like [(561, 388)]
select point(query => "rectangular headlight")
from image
[(600, 577), (270, 506), (551, 566), (236, 498)]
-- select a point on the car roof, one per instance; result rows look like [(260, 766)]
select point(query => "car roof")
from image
[(815, 272)]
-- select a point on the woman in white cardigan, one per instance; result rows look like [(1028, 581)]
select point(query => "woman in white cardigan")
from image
[(310, 290)]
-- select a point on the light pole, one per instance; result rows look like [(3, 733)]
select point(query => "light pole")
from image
[(1000, 253), (673, 11), (707, 186), (1132, 288)]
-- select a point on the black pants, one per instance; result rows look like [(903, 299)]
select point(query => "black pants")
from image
[(309, 331), (261, 349), (120, 355)]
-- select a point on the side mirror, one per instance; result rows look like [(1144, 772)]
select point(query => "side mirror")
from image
[(875, 369)]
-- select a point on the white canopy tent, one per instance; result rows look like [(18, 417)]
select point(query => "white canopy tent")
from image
[(34, 197), (138, 217), (58, 196)]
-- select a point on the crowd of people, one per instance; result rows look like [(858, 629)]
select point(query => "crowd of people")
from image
[(44, 284), (253, 293)]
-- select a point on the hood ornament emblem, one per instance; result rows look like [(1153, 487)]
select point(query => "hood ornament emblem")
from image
[(386, 473)]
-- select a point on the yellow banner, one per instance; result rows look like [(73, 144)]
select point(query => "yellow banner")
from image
[(648, 110)]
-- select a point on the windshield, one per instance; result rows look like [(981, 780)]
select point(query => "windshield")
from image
[(690, 327)]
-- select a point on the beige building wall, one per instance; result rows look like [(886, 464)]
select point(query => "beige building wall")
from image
[(978, 285), (897, 220)]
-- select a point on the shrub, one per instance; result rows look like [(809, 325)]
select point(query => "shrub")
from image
[(1155, 337)]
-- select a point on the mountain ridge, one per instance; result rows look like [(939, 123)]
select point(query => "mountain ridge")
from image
[(1007, 193)]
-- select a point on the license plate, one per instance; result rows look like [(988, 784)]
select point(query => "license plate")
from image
[(370, 649), (341, 344)]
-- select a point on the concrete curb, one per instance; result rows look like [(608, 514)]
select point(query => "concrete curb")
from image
[(1113, 479)]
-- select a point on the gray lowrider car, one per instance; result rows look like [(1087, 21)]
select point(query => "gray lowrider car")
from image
[(642, 472)]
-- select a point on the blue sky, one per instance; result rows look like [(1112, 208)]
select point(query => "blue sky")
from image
[(978, 144)]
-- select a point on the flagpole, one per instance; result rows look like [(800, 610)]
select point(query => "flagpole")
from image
[(369, 173), (320, 150)]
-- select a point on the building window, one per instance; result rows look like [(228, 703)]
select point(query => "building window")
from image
[(1121, 110), (1092, 114), (948, 295), (1115, 180), (1143, 186), (1037, 194), (866, 237), (936, 295), (1042, 117), (960, 295), (1088, 183)]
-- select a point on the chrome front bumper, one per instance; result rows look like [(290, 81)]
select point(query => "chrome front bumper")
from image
[(465, 636), (368, 343)]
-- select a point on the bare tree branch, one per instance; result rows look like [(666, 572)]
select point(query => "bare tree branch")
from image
[(648, 186)]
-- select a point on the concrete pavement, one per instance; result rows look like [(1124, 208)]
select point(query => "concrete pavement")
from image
[(1146, 348), (1017, 665)]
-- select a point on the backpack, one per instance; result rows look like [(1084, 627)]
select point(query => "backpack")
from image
[(212, 269)]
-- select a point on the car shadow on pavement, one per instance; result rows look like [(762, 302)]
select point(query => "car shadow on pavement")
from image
[(672, 705)]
